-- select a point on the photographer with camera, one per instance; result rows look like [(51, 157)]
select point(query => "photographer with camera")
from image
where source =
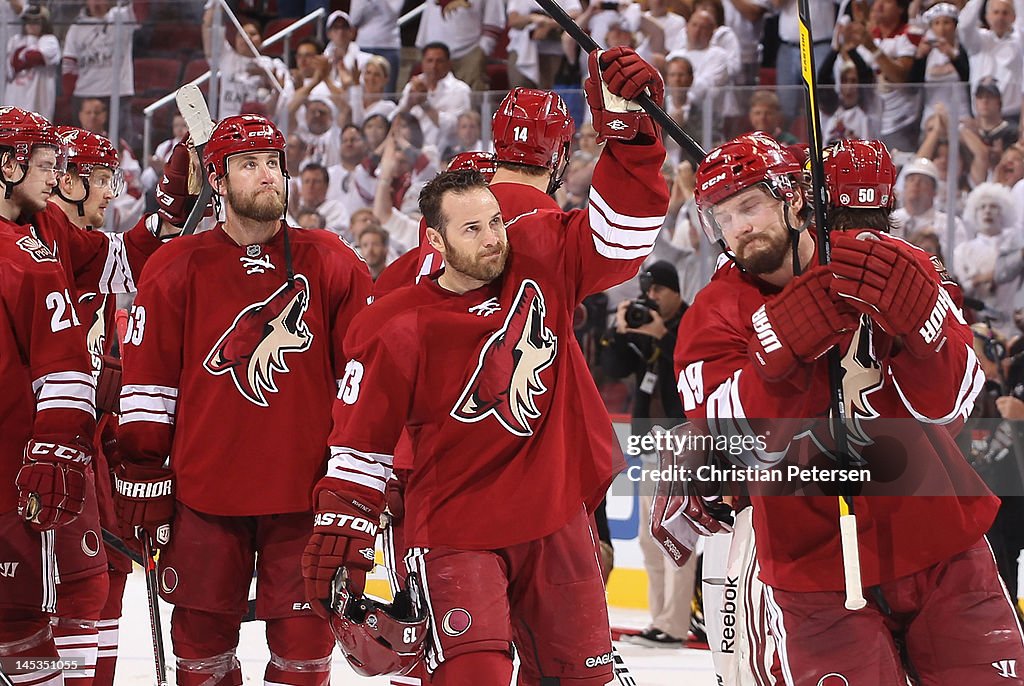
[(640, 344)]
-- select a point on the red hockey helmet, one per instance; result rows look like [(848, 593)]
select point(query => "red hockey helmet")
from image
[(378, 638), (532, 127), (744, 162), (24, 131), (87, 150), (241, 133), (482, 162), (859, 174)]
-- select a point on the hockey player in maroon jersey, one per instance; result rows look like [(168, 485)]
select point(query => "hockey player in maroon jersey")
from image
[(47, 407), (474, 364), (232, 359), (760, 330)]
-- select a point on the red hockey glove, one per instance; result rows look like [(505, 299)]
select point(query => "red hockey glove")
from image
[(144, 499), (799, 324), (26, 58), (680, 514), (108, 385), (174, 202), (882, 277), (617, 77), (51, 483), (344, 531)]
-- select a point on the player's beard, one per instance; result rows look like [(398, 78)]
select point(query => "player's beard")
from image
[(260, 206), (768, 252), (476, 267)]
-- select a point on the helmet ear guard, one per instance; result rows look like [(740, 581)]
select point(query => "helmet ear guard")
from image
[(375, 637)]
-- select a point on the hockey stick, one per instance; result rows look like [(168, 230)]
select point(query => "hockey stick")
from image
[(694, 149), (622, 673), (196, 114), (847, 517), (153, 595)]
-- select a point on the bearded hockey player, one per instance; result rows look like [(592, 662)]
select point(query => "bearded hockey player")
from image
[(924, 561), (231, 362), (473, 363), (47, 410)]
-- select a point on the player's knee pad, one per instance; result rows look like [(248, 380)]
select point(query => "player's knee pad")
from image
[(300, 639), (218, 670), (83, 598), (198, 635), (19, 634), (470, 669)]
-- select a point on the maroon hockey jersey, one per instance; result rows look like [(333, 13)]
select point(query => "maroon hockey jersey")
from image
[(231, 369), (505, 448), (798, 536), (44, 369)]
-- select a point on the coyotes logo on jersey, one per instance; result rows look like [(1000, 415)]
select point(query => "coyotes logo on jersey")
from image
[(507, 377), (253, 347)]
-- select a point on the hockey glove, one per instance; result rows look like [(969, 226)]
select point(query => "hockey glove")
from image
[(344, 531), (144, 499), (26, 58), (51, 483), (799, 324), (680, 514), (174, 201), (617, 77), (883, 278)]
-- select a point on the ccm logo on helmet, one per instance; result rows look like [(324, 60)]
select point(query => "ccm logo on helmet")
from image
[(712, 181), (342, 520), (599, 660)]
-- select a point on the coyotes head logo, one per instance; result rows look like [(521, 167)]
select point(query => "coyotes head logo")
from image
[(253, 347), (507, 376)]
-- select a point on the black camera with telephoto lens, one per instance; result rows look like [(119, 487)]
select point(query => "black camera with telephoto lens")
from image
[(639, 312)]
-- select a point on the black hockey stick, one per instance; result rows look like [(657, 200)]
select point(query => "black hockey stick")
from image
[(693, 149), (847, 517), (153, 596)]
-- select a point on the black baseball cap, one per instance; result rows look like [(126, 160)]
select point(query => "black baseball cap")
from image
[(662, 273)]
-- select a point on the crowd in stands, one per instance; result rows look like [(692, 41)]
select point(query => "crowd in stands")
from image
[(370, 119)]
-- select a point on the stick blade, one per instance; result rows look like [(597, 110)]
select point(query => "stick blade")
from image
[(193, 108)]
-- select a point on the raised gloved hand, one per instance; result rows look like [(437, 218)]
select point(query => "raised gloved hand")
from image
[(799, 324), (51, 483), (144, 499), (344, 530), (882, 277), (617, 76), (174, 197), (26, 58)]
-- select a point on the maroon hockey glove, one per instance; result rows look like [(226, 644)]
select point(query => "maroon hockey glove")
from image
[(26, 58), (344, 531), (394, 497), (799, 324), (682, 511), (174, 202), (144, 499), (617, 76), (51, 483), (882, 277), (108, 385)]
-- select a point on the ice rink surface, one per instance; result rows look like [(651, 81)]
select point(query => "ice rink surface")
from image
[(649, 666)]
